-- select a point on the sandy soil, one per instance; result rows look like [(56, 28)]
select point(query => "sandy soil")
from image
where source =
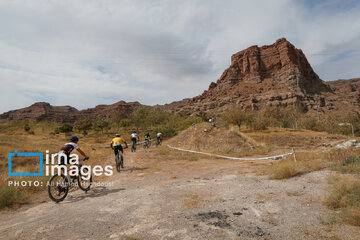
[(182, 199)]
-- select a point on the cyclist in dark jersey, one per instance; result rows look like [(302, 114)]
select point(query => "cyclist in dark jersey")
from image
[(68, 148)]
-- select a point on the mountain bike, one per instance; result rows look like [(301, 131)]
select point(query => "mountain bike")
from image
[(158, 141), (119, 161), (133, 146), (146, 143), (58, 185)]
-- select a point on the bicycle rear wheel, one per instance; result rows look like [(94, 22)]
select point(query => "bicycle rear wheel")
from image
[(118, 162), (84, 179), (121, 161), (58, 187)]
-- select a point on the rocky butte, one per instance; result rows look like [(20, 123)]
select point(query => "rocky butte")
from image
[(272, 75)]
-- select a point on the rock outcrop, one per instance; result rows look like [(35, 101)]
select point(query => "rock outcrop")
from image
[(261, 77)]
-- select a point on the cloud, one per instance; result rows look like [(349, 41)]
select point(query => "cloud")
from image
[(85, 53)]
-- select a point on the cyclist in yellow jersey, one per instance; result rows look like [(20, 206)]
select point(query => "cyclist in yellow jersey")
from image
[(116, 144)]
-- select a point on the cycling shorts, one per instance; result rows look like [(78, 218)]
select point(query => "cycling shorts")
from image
[(118, 149)]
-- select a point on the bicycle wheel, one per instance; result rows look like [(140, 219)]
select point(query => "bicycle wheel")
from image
[(118, 162), (58, 187), (121, 161), (84, 179)]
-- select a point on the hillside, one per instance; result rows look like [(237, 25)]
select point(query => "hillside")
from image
[(42, 111), (228, 140)]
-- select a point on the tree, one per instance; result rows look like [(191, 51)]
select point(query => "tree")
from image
[(234, 115), (83, 125), (116, 118), (101, 123)]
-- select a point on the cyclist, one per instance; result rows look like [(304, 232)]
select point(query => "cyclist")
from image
[(158, 138), (147, 139), (147, 136), (67, 149), (116, 144), (134, 138)]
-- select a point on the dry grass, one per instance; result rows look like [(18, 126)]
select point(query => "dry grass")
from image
[(13, 137), (308, 162), (349, 165), (192, 201), (211, 138), (12, 197), (294, 138), (165, 154), (294, 193), (285, 169), (345, 196)]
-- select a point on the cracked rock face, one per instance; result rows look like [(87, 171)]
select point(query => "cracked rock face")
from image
[(277, 75)]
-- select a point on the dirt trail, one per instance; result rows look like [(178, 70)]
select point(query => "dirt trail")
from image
[(178, 199)]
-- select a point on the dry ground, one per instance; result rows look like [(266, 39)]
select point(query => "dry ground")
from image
[(156, 197), (165, 194)]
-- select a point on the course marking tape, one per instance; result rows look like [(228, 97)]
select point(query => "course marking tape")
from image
[(277, 157)]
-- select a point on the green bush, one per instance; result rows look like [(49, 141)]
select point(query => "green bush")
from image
[(125, 122), (83, 125), (166, 131), (66, 128), (27, 127)]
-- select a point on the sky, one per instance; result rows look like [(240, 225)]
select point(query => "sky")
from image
[(89, 52)]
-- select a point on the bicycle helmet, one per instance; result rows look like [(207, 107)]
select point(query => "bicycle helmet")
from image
[(74, 139), (117, 134)]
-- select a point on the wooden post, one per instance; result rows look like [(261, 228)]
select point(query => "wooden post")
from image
[(294, 154)]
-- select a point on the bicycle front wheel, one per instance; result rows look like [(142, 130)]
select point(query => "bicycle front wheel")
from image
[(58, 187), (84, 179)]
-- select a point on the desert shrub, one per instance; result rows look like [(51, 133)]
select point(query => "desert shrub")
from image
[(32, 132), (166, 131), (350, 165), (187, 122), (345, 196), (65, 128), (11, 196), (203, 115), (68, 134), (285, 170), (125, 122), (257, 121), (27, 127)]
